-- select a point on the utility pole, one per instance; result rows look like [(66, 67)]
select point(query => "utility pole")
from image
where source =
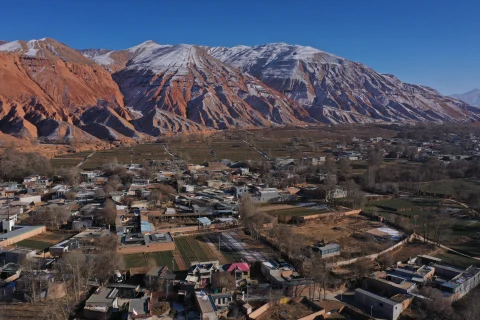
[(219, 243)]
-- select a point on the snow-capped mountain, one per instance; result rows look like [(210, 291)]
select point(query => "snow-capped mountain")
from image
[(49, 90), (334, 89), (45, 48), (471, 97), (184, 80)]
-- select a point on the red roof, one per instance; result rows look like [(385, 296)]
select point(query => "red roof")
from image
[(242, 266)]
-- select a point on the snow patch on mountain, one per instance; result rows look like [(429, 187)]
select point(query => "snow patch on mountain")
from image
[(13, 46)]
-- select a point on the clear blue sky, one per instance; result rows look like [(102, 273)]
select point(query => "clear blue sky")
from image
[(431, 42)]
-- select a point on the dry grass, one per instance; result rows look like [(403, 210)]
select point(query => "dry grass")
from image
[(349, 232), (291, 310)]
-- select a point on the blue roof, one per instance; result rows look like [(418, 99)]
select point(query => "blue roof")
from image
[(204, 221), (145, 226)]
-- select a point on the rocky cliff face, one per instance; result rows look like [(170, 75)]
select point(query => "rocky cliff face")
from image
[(334, 89), (187, 83), (53, 92)]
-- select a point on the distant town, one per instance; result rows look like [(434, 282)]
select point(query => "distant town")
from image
[(347, 222)]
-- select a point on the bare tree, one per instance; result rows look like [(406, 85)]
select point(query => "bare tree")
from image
[(108, 213)]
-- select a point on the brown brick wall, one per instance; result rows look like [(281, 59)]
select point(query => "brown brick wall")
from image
[(23, 236)]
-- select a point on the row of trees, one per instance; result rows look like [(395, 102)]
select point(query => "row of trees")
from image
[(15, 165)]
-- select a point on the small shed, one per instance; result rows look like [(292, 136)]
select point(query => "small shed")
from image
[(204, 221)]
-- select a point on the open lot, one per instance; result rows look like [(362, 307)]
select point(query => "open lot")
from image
[(349, 232)]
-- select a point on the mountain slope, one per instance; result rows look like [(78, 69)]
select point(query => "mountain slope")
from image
[(471, 97), (185, 81), (46, 89), (53, 92), (334, 89)]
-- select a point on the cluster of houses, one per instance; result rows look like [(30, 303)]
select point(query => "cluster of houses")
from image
[(199, 199), (387, 293)]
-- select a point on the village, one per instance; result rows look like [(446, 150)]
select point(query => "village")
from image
[(320, 234)]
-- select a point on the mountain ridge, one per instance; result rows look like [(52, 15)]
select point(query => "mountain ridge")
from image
[(152, 89), (471, 97)]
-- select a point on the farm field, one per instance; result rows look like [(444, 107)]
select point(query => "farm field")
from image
[(457, 260), (193, 250), (450, 188), (44, 240), (137, 154), (298, 211), (396, 204), (234, 149), (22, 311), (65, 162), (275, 142), (34, 244), (236, 246), (194, 151), (161, 258), (463, 234)]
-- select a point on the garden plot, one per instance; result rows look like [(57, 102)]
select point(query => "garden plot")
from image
[(236, 246)]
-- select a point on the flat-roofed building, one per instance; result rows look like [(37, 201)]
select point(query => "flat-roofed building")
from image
[(326, 250), (20, 233), (378, 304)]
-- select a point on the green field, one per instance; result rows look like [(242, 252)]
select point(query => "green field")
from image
[(136, 154), (138, 260), (449, 188), (163, 258), (190, 250), (297, 211), (404, 203), (65, 162), (33, 244), (235, 150), (457, 260), (135, 260)]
